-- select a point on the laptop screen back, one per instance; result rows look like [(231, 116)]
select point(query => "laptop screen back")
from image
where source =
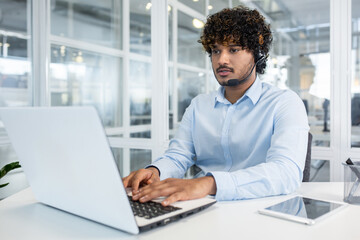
[(68, 162)]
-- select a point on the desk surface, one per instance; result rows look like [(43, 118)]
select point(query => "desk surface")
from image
[(22, 217)]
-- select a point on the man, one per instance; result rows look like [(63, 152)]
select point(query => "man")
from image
[(248, 138)]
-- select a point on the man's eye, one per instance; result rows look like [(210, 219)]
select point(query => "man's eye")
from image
[(214, 51), (234, 50)]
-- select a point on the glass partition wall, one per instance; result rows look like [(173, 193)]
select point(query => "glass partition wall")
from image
[(15, 54), (101, 54), (15, 76), (86, 57), (300, 60)]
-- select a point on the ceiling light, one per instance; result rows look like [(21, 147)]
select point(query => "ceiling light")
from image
[(79, 58), (302, 35), (197, 23), (62, 51), (210, 7), (274, 61)]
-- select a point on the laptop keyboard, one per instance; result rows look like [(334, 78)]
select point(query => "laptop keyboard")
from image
[(150, 209)]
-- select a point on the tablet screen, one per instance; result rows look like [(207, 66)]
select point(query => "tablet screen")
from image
[(304, 207)]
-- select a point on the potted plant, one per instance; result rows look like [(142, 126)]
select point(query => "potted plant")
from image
[(7, 168)]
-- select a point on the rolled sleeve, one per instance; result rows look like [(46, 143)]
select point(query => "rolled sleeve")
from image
[(225, 186), (167, 168)]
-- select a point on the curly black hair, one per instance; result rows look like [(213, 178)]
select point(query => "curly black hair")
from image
[(242, 26)]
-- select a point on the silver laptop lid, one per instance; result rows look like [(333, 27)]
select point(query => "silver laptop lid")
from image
[(68, 162)]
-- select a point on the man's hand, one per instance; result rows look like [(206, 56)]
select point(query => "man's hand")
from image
[(177, 189), (141, 177)]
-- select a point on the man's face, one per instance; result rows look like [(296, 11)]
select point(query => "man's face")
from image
[(230, 62)]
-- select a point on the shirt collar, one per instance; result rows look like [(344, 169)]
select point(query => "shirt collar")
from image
[(220, 96), (253, 93), (255, 90)]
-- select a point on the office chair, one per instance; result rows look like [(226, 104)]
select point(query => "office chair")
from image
[(306, 172)]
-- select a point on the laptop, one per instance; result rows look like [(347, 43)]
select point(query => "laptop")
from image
[(69, 165)]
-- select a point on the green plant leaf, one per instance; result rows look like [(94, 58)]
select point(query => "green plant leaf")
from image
[(8, 167), (3, 185)]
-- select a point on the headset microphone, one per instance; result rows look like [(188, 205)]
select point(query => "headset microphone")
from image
[(235, 82)]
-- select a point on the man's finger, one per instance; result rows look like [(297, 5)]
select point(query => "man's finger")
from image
[(135, 184), (153, 192), (151, 180), (140, 176), (126, 180), (173, 198)]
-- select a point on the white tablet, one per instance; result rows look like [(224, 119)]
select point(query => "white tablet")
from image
[(303, 210)]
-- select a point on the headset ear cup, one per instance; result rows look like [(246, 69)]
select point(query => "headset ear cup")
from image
[(261, 60)]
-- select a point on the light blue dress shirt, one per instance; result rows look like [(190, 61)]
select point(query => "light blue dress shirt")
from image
[(253, 148)]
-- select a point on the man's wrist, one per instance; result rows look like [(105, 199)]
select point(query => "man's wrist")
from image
[(154, 169), (210, 182)]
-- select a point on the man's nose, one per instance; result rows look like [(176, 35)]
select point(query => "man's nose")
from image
[(223, 58)]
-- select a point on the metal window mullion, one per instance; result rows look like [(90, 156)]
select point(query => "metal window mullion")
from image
[(40, 52), (159, 50), (334, 65), (86, 46), (322, 153), (126, 165), (133, 129), (140, 58), (29, 43), (187, 10), (207, 63), (70, 19), (340, 21), (126, 74), (345, 97), (116, 25), (175, 66), (131, 143), (191, 68), (140, 128)]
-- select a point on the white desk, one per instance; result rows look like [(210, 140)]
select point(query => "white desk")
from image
[(22, 217)]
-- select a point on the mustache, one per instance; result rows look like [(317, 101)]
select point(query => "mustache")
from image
[(221, 67)]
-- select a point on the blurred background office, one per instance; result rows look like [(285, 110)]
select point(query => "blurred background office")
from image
[(139, 64)]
